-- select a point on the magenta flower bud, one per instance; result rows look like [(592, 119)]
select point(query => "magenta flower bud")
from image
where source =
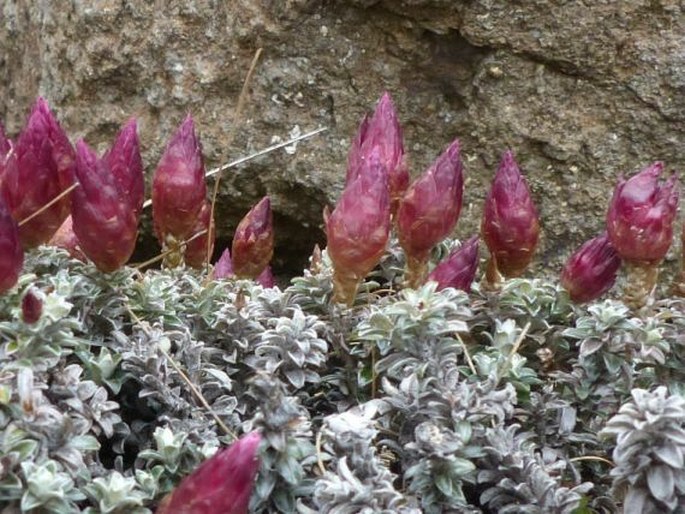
[(641, 215), (65, 238), (253, 241), (381, 133), (224, 266), (458, 270), (221, 485), (266, 278), (104, 222), (196, 250), (31, 307), (358, 229), (510, 225), (591, 271), (127, 166), (429, 211), (11, 252), (5, 146), (38, 169), (178, 186)]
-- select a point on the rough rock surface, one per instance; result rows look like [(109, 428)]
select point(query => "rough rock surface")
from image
[(582, 91)]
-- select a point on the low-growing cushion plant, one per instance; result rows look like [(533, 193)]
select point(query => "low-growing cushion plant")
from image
[(384, 379)]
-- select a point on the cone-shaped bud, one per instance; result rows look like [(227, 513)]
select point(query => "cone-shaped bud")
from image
[(224, 266), (11, 253), (38, 169), (221, 485), (178, 186), (357, 230), (591, 271), (510, 225), (382, 134), (253, 241), (641, 215), (127, 166), (31, 307), (266, 278), (65, 238), (429, 211), (196, 250), (458, 269), (105, 224)]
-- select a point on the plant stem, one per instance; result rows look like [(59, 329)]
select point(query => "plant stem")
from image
[(640, 283)]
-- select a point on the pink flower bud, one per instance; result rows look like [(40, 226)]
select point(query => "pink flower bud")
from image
[(178, 187), (221, 485), (266, 278), (38, 169), (458, 270), (104, 222), (430, 208), (224, 266), (358, 229), (196, 250), (127, 166), (510, 225), (65, 238), (253, 241), (381, 133), (591, 271), (641, 215), (11, 253), (31, 307)]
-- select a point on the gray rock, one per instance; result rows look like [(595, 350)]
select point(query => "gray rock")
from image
[(582, 91)]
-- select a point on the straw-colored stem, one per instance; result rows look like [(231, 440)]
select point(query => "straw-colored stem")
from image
[(492, 281), (640, 283), (345, 287), (415, 271)]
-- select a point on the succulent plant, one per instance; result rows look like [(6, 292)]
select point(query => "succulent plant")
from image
[(458, 269), (357, 230), (510, 225), (223, 483), (178, 190), (104, 222), (253, 241), (381, 134), (640, 227), (592, 269), (429, 210), (39, 168)]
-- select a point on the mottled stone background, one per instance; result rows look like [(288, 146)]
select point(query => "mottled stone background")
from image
[(581, 90)]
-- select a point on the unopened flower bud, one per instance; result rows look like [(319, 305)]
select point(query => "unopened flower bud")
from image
[(221, 485), (36, 171), (11, 253), (31, 307), (591, 271), (358, 229), (381, 134), (127, 166), (429, 211), (266, 278), (510, 225), (178, 186), (223, 268), (641, 215), (253, 241), (196, 250), (458, 270), (105, 224), (65, 238)]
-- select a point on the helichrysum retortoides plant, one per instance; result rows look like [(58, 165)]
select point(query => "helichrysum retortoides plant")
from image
[(133, 391)]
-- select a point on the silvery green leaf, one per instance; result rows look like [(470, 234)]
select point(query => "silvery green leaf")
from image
[(660, 482), (669, 453)]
